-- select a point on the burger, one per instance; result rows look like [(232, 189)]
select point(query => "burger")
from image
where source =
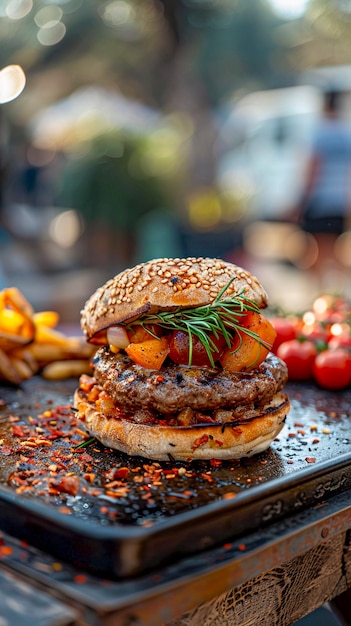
[(183, 368)]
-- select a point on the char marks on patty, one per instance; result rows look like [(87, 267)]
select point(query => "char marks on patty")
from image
[(174, 387)]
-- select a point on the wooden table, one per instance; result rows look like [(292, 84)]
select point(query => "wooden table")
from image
[(273, 576)]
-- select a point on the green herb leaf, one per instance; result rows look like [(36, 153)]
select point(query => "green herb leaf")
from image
[(85, 443), (220, 317)]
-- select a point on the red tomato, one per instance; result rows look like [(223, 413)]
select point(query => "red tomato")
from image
[(314, 332), (340, 341), (332, 369), (285, 329), (179, 349), (299, 357)]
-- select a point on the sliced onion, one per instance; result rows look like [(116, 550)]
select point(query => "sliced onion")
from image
[(117, 336)]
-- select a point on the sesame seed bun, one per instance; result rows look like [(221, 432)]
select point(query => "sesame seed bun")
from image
[(164, 284), (202, 442)]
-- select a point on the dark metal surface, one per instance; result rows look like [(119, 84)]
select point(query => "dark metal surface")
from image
[(158, 597), (22, 605), (123, 516)]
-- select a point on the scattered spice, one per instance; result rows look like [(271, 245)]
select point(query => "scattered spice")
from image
[(53, 458)]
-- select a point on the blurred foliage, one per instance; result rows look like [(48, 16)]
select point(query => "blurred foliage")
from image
[(136, 46), (187, 59), (100, 186)]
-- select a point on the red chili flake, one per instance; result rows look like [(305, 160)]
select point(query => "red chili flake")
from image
[(292, 435), (301, 432), (229, 495), (310, 459), (6, 550), (65, 510), (316, 441), (290, 462), (227, 546), (147, 496), (89, 477), (67, 484), (121, 472), (219, 443), (200, 441), (207, 477), (298, 425), (158, 380), (80, 579), (103, 510), (242, 547), (215, 462), (6, 450), (237, 430)]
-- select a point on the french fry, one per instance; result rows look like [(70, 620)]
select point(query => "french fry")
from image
[(30, 343), (22, 368), (27, 356), (49, 319), (9, 342), (8, 370), (47, 352), (44, 334), (16, 313), (59, 370)]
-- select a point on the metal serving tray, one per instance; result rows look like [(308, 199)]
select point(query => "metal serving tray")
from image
[(117, 516)]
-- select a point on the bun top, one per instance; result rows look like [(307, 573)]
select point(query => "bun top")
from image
[(164, 284)]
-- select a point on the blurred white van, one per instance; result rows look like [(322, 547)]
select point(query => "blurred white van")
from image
[(264, 145)]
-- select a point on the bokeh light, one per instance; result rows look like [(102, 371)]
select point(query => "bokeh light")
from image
[(12, 82), (18, 9), (51, 33), (66, 228), (48, 13), (343, 248)]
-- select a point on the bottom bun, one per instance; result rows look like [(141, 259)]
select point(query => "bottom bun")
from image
[(202, 441)]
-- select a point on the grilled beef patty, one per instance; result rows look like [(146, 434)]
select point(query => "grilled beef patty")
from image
[(175, 387)]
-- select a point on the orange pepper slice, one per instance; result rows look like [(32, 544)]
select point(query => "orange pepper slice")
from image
[(150, 354)]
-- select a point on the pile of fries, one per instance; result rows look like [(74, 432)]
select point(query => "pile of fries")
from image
[(30, 343)]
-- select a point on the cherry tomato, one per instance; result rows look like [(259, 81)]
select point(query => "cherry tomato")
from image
[(285, 329), (340, 341), (314, 332), (179, 349), (332, 369), (299, 357)]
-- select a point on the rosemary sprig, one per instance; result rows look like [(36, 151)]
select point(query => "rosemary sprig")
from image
[(85, 443), (219, 318)]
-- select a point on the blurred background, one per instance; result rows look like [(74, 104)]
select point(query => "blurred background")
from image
[(133, 129)]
